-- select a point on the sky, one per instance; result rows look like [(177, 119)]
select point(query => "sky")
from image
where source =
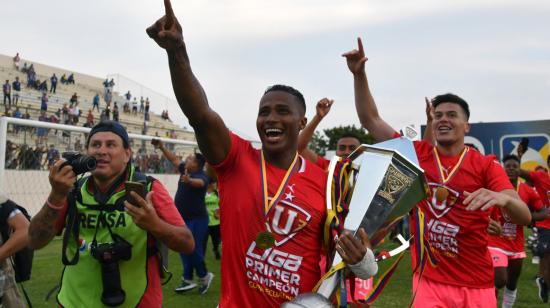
[(493, 53)]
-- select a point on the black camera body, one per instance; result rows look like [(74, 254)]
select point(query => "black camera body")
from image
[(108, 255), (81, 163)]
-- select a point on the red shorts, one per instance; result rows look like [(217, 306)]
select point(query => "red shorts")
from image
[(431, 293), (500, 257)]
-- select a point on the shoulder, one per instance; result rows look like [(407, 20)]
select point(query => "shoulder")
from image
[(422, 146)]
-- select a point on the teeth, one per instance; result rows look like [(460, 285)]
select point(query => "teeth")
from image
[(273, 130)]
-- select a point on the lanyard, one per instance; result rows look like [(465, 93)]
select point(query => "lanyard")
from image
[(290, 171), (447, 178)]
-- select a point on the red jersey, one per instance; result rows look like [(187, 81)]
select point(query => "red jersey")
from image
[(252, 277), (322, 162), (541, 181), (512, 239), (458, 237)]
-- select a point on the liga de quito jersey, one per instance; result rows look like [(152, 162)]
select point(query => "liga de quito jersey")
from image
[(512, 237), (458, 237), (250, 276)]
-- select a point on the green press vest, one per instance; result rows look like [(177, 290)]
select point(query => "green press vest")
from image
[(81, 284)]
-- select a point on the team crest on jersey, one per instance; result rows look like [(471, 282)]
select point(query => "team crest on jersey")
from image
[(441, 199), (286, 219)]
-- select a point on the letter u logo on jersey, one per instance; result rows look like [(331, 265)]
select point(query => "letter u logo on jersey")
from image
[(286, 220), (441, 199)]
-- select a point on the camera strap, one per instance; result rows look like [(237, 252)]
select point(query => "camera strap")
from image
[(72, 230)]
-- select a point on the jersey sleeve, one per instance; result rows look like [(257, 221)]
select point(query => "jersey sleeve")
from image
[(164, 205), (496, 177), (229, 163), (322, 162), (534, 199)]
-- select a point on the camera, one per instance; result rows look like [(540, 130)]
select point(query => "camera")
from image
[(81, 163), (108, 255)]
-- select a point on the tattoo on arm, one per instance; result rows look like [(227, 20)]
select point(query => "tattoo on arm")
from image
[(42, 229)]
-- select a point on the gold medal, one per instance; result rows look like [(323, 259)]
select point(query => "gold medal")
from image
[(441, 194), (265, 240)]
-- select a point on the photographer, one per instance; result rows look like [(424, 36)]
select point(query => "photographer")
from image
[(111, 243)]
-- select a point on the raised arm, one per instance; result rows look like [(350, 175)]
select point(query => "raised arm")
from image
[(172, 158), (211, 133), (364, 102), (429, 133), (321, 110)]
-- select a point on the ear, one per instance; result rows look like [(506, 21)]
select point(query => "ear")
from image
[(128, 154), (467, 127), (303, 123)]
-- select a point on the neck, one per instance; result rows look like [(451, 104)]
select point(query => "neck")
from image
[(280, 160), (104, 184), (451, 150)]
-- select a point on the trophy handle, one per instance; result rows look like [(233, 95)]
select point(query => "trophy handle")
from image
[(404, 246)]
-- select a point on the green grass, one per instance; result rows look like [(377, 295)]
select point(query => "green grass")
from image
[(47, 270)]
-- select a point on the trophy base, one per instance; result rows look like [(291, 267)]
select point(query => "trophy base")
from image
[(308, 300)]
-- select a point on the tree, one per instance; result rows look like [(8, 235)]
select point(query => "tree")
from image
[(318, 143), (335, 133)]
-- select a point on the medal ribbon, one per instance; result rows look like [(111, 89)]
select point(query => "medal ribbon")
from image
[(446, 178), (290, 171)]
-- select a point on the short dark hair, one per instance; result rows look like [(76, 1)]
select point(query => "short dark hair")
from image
[(511, 157), (452, 98), (290, 90), (350, 135)]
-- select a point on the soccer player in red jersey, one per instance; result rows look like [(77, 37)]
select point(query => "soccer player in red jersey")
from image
[(344, 147), (507, 249), (540, 178), (272, 201), (463, 186)]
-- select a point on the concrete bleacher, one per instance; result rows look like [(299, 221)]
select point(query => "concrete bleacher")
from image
[(86, 87)]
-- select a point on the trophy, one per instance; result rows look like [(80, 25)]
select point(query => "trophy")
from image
[(386, 183)]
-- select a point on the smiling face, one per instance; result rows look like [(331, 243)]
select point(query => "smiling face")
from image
[(108, 149), (450, 124), (512, 169), (346, 145), (280, 119)]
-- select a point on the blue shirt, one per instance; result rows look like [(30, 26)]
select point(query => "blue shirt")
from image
[(190, 200)]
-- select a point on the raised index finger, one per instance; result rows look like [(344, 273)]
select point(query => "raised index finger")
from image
[(169, 13), (360, 46)]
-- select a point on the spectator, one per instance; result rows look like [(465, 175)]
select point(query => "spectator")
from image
[(189, 200), (108, 97), (115, 113), (17, 61), (141, 105), (16, 87), (74, 99), (18, 115), (43, 86), (78, 145), (76, 113), (128, 96), (146, 221), (25, 68), (52, 156), (41, 132), (112, 83), (31, 77), (89, 119), (6, 88), (15, 224), (63, 79), (134, 106), (147, 105), (95, 103), (70, 79), (44, 102), (65, 111), (108, 112), (53, 82), (212, 202)]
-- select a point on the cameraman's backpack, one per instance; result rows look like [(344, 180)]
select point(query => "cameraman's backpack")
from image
[(22, 260)]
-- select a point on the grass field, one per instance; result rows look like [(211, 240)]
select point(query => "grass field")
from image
[(47, 270)]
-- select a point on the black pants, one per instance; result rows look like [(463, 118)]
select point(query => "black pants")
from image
[(8, 96), (214, 232)]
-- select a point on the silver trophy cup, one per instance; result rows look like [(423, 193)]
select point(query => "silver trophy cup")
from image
[(387, 183)]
